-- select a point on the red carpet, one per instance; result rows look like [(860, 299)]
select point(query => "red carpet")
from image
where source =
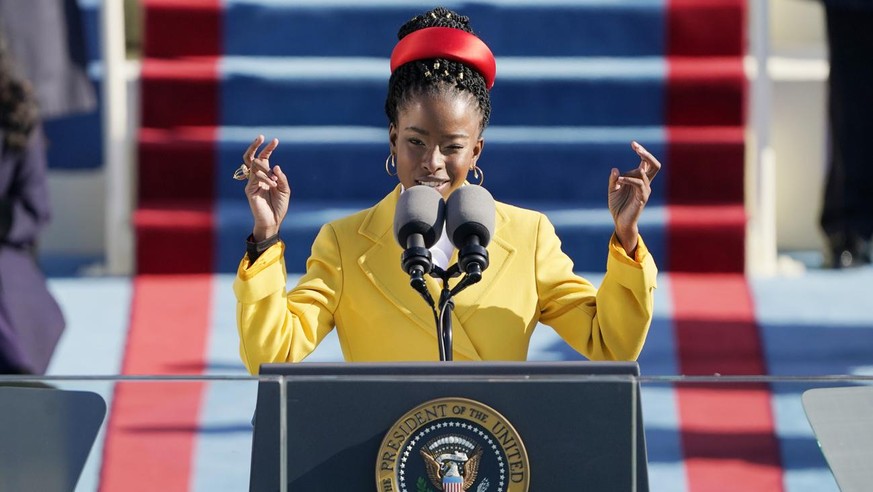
[(151, 432), (728, 437), (727, 432)]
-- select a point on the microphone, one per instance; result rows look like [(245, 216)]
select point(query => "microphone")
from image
[(470, 213), (418, 224)]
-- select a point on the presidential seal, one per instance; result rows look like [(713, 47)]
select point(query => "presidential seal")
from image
[(452, 445)]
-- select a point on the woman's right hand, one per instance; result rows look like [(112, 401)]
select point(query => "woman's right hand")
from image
[(267, 190)]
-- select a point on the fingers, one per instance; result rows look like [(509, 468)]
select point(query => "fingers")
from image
[(649, 164), (281, 178), (638, 182), (262, 161), (266, 185), (613, 180), (616, 180), (249, 154), (640, 176), (268, 150), (264, 181)]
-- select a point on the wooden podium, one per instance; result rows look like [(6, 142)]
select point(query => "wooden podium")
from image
[(508, 427)]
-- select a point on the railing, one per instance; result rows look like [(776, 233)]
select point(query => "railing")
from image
[(118, 138), (761, 166), (195, 433)]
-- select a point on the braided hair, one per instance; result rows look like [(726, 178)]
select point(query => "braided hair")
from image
[(436, 75), (18, 110)]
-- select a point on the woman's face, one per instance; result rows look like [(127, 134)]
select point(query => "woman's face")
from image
[(436, 141)]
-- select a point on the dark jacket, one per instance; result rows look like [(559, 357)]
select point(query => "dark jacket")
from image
[(30, 320)]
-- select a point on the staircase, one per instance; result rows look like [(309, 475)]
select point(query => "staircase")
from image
[(576, 82)]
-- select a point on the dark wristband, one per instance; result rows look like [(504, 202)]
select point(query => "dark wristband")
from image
[(255, 249)]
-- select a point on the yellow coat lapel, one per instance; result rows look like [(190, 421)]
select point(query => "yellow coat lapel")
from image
[(499, 254)]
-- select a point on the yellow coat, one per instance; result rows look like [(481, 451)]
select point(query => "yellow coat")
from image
[(354, 282)]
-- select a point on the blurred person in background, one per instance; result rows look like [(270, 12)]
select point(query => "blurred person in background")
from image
[(46, 40), (42, 65), (847, 214), (31, 321)]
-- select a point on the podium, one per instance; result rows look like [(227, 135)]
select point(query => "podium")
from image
[(562, 426)]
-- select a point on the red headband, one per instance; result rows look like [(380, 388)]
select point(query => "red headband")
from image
[(449, 43)]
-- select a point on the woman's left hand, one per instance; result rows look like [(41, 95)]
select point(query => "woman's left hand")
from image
[(628, 195)]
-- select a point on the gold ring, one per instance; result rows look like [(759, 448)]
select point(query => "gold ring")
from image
[(241, 173)]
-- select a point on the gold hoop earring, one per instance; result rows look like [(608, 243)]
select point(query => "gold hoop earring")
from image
[(479, 174), (393, 165)]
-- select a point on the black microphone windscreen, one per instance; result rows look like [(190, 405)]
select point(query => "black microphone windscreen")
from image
[(470, 211), (420, 210)]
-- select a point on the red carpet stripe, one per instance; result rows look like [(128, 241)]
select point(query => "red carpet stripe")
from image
[(706, 27), (176, 193), (705, 91), (706, 147), (695, 154), (727, 433), (180, 108), (727, 430), (175, 238), (169, 23), (706, 239), (152, 426), (177, 93)]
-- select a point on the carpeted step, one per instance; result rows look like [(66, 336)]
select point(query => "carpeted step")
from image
[(329, 180), (529, 163), (174, 28), (177, 164), (347, 163), (174, 237), (368, 28), (706, 238), (169, 233), (530, 91), (691, 239)]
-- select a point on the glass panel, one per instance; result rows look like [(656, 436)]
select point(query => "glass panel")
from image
[(750, 432), (134, 433)]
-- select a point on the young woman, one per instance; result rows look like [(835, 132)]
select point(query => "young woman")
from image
[(438, 106)]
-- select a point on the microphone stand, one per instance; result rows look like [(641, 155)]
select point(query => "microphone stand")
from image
[(447, 304), (416, 258)]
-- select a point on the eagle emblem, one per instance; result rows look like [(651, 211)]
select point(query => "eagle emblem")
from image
[(452, 462), (452, 445)]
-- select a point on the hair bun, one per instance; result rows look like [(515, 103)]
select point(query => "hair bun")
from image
[(438, 17)]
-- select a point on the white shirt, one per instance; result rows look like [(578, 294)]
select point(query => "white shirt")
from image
[(441, 252)]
